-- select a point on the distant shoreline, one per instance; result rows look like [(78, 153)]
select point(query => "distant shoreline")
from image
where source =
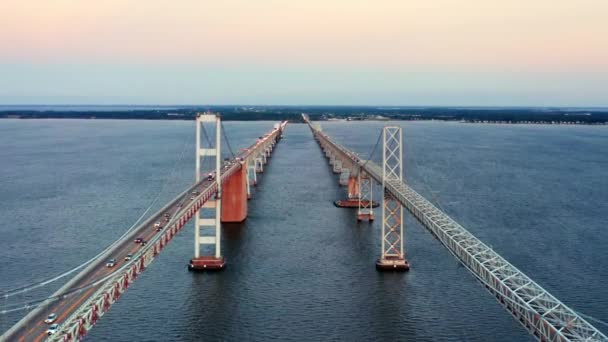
[(506, 115)]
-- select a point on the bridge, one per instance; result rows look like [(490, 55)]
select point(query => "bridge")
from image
[(536, 309), (85, 298), (221, 196)]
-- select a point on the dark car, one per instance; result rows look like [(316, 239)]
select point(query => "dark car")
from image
[(138, 240), (143, 242)]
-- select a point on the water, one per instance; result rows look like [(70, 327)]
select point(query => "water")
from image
[(299, 268)]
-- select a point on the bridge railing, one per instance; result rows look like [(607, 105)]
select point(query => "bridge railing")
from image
[(113, 285), (536, 309)]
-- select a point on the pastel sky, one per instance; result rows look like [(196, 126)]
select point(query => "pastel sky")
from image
[(340, 52)]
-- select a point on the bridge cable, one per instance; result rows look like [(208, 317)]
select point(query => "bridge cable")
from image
[(371, 155), (226, 138), (33, 303), (37, 302), (206, 136), (16, 291)]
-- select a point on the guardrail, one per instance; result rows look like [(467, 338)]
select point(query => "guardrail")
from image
[(543, 315)]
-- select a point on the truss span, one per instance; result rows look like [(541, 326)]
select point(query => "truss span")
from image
[(543, 315)]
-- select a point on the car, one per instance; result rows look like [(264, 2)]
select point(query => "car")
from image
[(192, 197), (143, 242), (50, 318), (157, 224), (128, 257), (166, 220), (53, 328), (210, 177), (111, 263), (138, 240), (195, 192), (158, 229), (169, 215)]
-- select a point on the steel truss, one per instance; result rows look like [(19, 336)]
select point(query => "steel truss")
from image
[(392, 210), (543, 315)]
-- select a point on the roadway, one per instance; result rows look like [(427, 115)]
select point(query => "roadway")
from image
[(80, 290), (66, 306), (543, 315)]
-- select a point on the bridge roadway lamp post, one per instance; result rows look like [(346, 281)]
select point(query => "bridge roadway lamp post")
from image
[(392, 255), (210, 228)]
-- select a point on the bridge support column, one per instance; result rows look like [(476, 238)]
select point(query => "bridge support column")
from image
[(249, 169), (253, 178), (353, 187), (209, 225), (392, 255), (345, 177), (337, 166), (234, 197), (366, 204), (259, 164)]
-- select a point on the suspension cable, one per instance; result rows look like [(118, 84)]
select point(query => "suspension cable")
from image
[(24, 289), (371, 154), (206, 136), (37, 302), (226, 138)]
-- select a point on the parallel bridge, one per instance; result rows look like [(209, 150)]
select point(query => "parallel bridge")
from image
[(88, 296), (85, 298), (543, 315)]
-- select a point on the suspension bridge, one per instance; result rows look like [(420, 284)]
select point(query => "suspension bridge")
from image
[(221, 196)]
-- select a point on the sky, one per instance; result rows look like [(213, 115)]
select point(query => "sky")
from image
[(312, 52)]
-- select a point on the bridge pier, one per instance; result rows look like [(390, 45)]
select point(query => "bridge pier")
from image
[(259, 164), (337, 166), (353, 187), (248, 177), (365, 187), (345, 177), (234, 197)]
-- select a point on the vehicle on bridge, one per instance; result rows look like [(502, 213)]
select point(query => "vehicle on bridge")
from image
[(52, 329), (50, 318), (111, 263)]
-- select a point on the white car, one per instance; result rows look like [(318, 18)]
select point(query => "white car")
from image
[(52, 329), (111, 263), (50, 318), (157, 224)]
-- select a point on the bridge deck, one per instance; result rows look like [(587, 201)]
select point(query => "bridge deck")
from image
[(77, 303), (547, 318), (35, 330)]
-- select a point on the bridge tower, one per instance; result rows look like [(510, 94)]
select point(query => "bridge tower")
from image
[(392, 254), (210, 227)]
